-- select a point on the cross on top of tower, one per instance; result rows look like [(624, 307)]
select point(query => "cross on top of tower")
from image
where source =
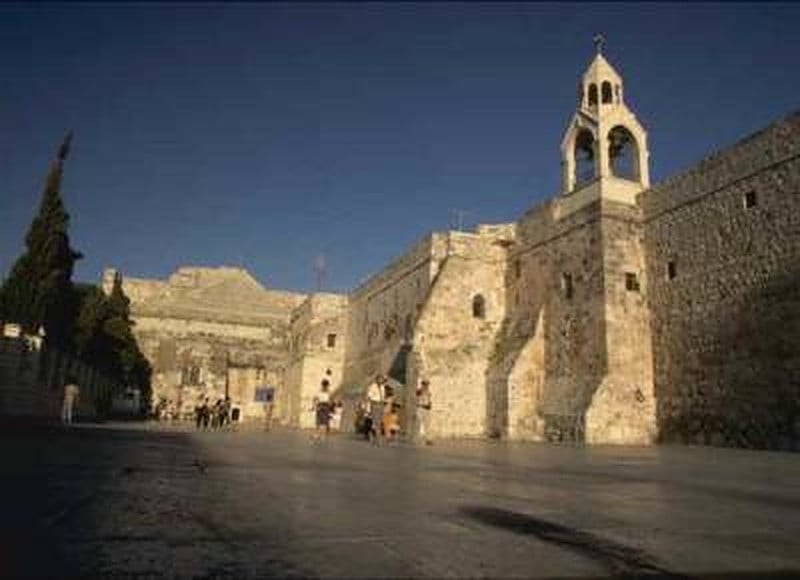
[(599, 40)]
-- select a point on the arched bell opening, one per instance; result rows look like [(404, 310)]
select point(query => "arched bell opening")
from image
[(623, 154), (592, 95), (585, 165), (606, 92)]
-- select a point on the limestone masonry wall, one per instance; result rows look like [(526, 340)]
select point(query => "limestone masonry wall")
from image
[(722, 246), (455, 334), (382, 315), (209, 332), (553, 342), (623, 408), (318, 344)]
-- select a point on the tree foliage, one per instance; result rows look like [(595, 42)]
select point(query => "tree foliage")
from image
[(105, 340), (77, 318), (37, 292)]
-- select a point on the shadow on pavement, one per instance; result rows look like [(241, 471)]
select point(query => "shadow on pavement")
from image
[(93, 502), (619, 560)]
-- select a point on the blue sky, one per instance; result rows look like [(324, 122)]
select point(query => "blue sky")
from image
[(263, 135)]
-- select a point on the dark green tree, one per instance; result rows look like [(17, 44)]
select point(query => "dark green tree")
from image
[(104, 338), (91, 343), (37, 292)]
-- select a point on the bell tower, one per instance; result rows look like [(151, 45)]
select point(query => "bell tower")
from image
[(604, 150)]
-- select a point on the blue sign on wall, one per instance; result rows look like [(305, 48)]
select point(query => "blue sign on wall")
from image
[(265, 394)]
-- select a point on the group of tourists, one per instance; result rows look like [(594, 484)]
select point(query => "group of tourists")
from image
[(214, 416), (377, 417), (166, 410)]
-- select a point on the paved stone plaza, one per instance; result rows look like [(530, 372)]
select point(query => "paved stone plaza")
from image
[(147, 500)]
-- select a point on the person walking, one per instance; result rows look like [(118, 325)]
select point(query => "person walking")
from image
[(322, 407), (362, 422), (424, 411), (336, 416), (198, 414), (225, 413), (216, 414), (375, 409), (269, 406), (391, 419), (71, 395), (205, 413)]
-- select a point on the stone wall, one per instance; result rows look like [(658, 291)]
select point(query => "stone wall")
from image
[(552, 352), (572, 360), (622, 410), (318, 332), (455, 334), (32, 379), (723, 260), (195, 359), (382, 315), (212, 331)]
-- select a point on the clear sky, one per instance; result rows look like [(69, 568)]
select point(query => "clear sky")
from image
[(263, 135)]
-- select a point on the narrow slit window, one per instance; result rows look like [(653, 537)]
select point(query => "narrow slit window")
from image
[(331, 341), (672, 270), (750, 199), (478, 307), (567, 285), (631, 282)]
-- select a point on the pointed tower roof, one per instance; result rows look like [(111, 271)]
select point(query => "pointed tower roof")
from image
[(601, 70)]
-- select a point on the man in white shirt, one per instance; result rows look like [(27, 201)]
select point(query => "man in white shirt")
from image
[(71, 394), (375, 407), (424, 411)]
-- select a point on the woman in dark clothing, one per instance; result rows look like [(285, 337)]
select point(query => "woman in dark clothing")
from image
[(323, 408)]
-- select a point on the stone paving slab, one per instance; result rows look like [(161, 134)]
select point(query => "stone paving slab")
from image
[(149, 500)]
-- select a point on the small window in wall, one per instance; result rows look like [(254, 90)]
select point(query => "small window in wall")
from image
[(672, 270), (750, 199), (331, 341), (567, 286), (478, 307), (517, 268), (631, 282), (190, 375)]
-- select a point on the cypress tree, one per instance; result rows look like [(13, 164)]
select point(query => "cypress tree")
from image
[(37, 292)]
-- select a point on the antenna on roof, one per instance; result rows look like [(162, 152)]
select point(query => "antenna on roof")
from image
[(458, 219), (320, 271)]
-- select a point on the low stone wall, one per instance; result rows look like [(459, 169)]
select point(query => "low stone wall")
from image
[(32, 378)]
